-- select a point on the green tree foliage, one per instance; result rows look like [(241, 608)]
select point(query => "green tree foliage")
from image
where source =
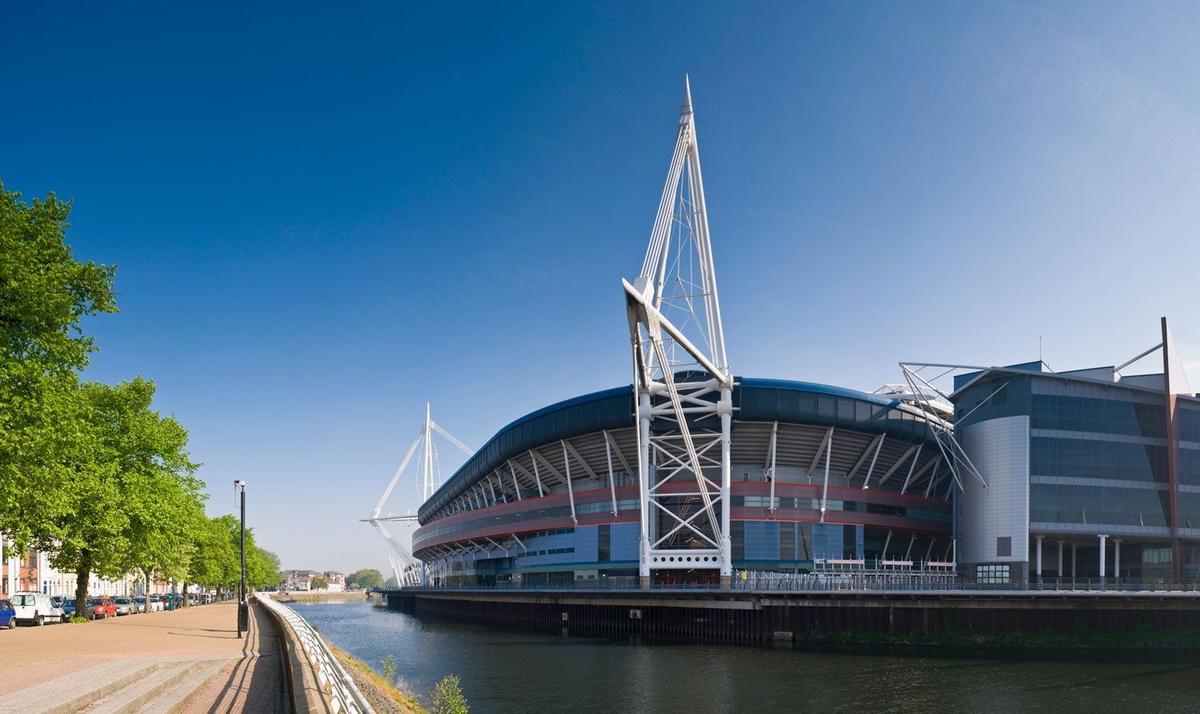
[(214, 560), (391, 582), (319, 583), (133, 493), (262, 570), (366, 578), (90, 472), (448, 697), (223, 566), (44, 295)]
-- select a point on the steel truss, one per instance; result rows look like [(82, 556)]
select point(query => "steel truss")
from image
[(408, 569), (923, 394), (683, 386)]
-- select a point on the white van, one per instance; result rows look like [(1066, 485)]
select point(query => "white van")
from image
[(36, 608)]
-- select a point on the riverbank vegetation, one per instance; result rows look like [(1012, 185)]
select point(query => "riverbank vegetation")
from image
[(380, 690), (366, 579), (91, 473)]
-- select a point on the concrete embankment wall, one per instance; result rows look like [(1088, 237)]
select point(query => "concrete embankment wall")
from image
[(1054, 620)]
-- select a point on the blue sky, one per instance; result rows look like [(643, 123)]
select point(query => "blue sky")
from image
[(325, 214)]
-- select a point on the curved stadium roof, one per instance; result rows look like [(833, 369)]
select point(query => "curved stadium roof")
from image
[(754, 399)]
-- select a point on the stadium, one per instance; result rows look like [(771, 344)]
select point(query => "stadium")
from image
[(821, 476)]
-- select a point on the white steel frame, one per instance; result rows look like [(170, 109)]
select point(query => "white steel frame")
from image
[(695, 447), (410, 570), (922, 393)]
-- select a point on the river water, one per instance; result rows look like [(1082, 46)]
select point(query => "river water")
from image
[(505, 671)]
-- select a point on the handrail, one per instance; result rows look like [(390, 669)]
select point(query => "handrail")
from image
[(344, 694), (878, 581)]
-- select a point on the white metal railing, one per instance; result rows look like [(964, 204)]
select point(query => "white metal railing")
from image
[(331, 676)]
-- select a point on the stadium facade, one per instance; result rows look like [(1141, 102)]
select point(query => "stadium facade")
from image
[(820, 475)]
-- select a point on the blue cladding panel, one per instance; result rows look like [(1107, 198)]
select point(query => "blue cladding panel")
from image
[(762, 540), (828, 541), (585, 544), (625, 538)]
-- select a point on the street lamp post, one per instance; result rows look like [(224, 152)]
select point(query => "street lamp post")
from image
[(243, 615)]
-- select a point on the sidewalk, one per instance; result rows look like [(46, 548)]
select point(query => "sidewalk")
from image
[(45, 667)]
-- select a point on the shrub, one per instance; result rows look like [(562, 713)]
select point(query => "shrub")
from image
[(448, 697)]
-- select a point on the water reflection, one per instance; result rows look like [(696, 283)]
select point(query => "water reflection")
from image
[(506, 671)]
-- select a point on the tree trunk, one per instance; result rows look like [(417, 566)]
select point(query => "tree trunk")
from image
[(185, 595), (82, 575), (146, 595)]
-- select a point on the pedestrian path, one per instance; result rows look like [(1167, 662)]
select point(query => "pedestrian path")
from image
[(189, 660)]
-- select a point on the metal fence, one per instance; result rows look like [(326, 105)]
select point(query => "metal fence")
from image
[(331, 676), (896, 581)]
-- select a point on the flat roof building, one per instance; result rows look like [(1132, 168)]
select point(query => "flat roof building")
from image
[(1089, 473)]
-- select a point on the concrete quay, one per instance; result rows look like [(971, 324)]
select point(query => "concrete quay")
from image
[(188, 660), (1002, 618)]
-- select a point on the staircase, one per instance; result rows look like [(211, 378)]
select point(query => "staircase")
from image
[(122, 686)]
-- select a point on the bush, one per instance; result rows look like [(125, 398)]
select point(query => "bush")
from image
[(78, 619), (448, 697)]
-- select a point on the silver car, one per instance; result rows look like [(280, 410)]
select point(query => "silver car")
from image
[(124, 605)]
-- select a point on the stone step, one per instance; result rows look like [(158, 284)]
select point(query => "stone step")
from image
[(175, 697), (132, 697), (76, 690)]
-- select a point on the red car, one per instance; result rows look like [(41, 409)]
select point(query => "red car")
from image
[(101, 607)]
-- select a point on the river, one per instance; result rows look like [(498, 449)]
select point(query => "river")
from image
[(504, 671)]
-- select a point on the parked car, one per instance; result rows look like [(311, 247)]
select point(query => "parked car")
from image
[(157, 604), (8, 614), (65, 603), (101, 607), (124, 605), (36, 608)]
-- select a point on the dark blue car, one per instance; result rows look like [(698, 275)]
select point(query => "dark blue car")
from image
[(8, 615), (67, 605)]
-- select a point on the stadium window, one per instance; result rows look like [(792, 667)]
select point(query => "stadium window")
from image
[(1004, 547)]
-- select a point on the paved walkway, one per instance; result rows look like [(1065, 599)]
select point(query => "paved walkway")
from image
[(187, 660)]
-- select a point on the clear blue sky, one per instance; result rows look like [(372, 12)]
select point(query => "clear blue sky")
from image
[(326, 214)]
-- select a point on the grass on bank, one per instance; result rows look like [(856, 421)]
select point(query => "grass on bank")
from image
[(401, 701)]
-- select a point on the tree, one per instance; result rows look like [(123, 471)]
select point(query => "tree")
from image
[(448, 697), (391, 582), (214, 557), (133, 493), (44, 295), (262, 566), (319, 583), (262, 570), (366, 578)]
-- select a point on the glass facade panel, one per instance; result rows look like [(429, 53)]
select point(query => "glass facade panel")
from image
[(1189, 424), (1104, 416), (1189, 467), (1086, 458), (1189, 510), (1091, 505)]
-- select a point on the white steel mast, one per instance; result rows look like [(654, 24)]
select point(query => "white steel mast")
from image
[(429, 483), (682, 380)]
